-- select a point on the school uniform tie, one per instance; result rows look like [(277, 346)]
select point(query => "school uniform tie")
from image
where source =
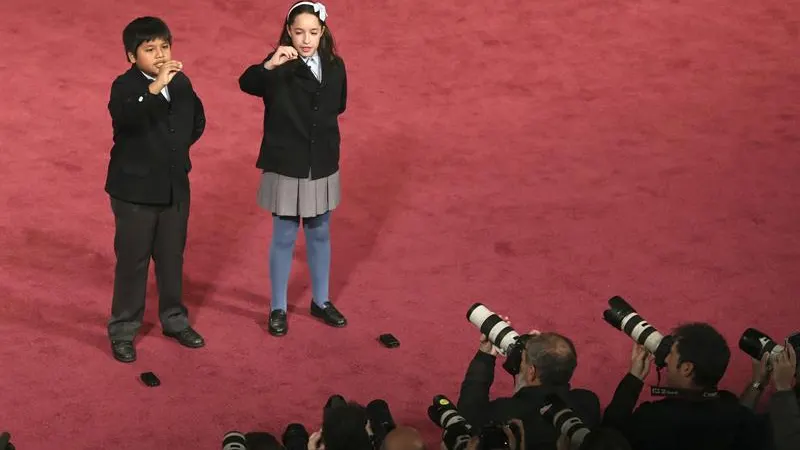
[(314, 66)]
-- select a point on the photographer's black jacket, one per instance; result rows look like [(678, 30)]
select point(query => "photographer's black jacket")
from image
[(478, 410), (784, 416), (681, 423)]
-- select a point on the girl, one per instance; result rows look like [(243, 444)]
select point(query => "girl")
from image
[(304, 88)]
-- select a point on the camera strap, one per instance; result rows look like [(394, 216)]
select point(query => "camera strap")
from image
[(659, 391)]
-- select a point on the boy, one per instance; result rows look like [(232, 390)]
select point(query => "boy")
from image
[(156, 117)]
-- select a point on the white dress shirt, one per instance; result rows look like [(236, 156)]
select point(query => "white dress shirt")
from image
[(313, 63), (164, 92)]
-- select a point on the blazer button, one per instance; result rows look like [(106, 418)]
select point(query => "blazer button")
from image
[(312, 141), (316, 108), (172, 130), (313, 125)]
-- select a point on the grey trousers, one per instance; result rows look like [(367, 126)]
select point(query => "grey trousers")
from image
[(144, 232)]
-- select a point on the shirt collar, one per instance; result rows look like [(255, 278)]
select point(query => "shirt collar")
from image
[(311, 59)]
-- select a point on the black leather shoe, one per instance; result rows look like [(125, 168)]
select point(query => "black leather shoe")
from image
[(329, 314), (123, 351), (278, 325), (187, 338)]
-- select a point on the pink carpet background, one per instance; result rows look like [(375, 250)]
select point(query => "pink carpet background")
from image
[(539, 157)]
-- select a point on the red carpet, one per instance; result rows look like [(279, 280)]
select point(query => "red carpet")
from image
[(537, 156)]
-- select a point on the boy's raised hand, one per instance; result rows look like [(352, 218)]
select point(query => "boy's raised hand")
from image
[(166, 73), (282, 54)]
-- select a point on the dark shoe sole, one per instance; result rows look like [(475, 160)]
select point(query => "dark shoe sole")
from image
[(123, 360), (277, 333)]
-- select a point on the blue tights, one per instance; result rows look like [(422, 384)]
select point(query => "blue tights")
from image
[(318, 243)]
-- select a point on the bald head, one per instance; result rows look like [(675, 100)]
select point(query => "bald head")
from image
[(403, 438), (554, 357)]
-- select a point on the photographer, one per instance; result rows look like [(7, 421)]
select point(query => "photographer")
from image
[(548, 362), (344, 427), (784, 412), (694, 415)]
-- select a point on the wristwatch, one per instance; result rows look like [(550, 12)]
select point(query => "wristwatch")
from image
[(757, 385)]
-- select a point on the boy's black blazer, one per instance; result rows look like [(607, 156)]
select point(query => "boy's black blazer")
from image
[(301, 116), (150, 158)]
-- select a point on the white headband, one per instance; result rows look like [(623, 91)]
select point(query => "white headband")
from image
[(319, 8)]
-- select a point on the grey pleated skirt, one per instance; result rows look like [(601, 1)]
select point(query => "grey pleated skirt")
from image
[(287, 196)]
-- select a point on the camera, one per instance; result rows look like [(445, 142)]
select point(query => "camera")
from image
[(234, 440), (380, 421), (622, 316), (507, 341), (757, 344), (565, 421), (457, 432)]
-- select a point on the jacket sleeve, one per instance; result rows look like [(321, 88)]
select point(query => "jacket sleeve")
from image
[(619, 412), (129, 107), (343, 104), (199, 125), (473, 400), (784, 415), (257, 80)]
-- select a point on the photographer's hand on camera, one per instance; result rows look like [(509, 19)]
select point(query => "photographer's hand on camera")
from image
[(641, 360), (486, 345), (692, 413), (315, 441), (784, 369)]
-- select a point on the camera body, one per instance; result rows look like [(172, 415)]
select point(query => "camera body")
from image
[(508, 342), (622, 316)]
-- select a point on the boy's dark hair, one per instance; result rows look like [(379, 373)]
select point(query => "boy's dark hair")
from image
[(554, 357), (703, 346), (344, 428), (144, 29), (327, 46)]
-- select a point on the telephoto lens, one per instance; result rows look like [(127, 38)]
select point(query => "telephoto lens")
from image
[(457, 432), (492, 326), (757, 344), (380, 420), (564, 420), (507, 341), (623, 317), (234, 440)]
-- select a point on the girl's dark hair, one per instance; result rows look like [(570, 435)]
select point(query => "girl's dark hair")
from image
[(144, 29), (327, 46)]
